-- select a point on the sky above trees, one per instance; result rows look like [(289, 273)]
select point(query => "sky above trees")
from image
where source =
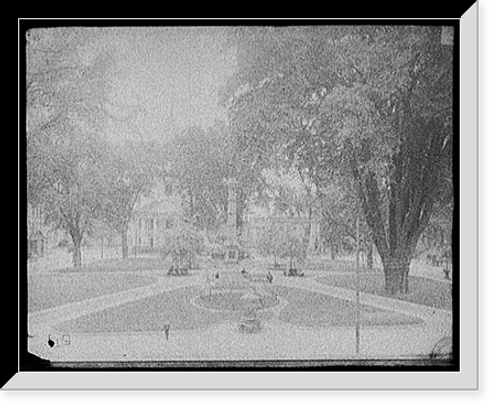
[(167, 77)]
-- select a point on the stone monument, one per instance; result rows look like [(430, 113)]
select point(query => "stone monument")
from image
[(231, 246)]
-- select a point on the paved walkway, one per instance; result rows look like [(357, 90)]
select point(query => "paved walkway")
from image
[(276, 341)]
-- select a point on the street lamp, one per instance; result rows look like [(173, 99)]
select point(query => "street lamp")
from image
[(358, 309)]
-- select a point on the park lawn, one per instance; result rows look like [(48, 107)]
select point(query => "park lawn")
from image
[(151, 314), (304, 308), (131, 264), (312, 309), (56, 289), (310, 267), (337, 265), (423, 291)]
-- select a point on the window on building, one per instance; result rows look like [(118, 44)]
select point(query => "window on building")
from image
[(150, 224)]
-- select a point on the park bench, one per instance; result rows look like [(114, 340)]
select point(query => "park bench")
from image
[(178, 271), (293, 273), (256, 278), (249, 323), (434, 259)]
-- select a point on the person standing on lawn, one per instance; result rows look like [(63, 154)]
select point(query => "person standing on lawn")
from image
[(166, 329)]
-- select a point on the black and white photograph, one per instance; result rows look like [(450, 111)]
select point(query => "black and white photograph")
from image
[(243, 196)]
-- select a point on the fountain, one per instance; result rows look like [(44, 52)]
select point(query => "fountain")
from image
[(249, 323)]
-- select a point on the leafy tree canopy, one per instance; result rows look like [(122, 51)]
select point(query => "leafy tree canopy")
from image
[(370, 102)]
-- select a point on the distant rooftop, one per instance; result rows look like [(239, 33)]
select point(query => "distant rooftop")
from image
[(158, 203)]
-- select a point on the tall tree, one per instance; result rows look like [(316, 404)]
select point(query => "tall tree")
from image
[(129, 172), (200, 162), (183, 242), (340, 210), (192, 164), (291, 193), (65, 89), (374, 103)]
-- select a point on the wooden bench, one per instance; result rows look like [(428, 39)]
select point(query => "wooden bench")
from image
[(256, 278), (294, 273), (178, 271)]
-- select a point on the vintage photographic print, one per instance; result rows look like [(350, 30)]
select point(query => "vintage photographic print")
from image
[(270, 196)]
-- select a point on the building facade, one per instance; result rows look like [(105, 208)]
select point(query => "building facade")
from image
[(151, 222), (37, 232)]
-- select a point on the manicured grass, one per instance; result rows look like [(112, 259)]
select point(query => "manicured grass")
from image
[(335, 266), (304, 308), (428, 292), (52, 290), (307, 308), (311, 267), (131, 264), (151, 313)]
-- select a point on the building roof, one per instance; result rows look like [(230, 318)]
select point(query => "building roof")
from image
[(167, 207)]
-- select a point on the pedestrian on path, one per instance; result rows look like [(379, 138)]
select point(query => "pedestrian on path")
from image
[(166, 329), (269, 277)]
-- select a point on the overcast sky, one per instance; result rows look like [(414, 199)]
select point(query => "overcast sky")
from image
[(169, 72)]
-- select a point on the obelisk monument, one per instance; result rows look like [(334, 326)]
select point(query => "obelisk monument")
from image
[(231, 246)]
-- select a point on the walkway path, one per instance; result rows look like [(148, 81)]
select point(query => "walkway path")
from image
[(277, 340)]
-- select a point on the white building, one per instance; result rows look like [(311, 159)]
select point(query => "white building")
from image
[(151, 220), (37, 231)]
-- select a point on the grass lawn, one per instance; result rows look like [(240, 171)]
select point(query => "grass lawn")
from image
[(338, 265), (311, 266), (52, 290), (132, 264), (304, 308), (307, 308), (150, 314), (428, 292)]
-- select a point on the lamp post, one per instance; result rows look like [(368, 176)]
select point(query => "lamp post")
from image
[(231, 242), (358, 310), (135, 240)]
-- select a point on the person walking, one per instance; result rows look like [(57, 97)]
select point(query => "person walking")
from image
[(166, 329), (269, 277)]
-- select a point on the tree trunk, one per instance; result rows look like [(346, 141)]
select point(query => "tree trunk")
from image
[(369, 256), (307, 246), (396, 270), (124, 240), (77, 250), (412, 187)]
